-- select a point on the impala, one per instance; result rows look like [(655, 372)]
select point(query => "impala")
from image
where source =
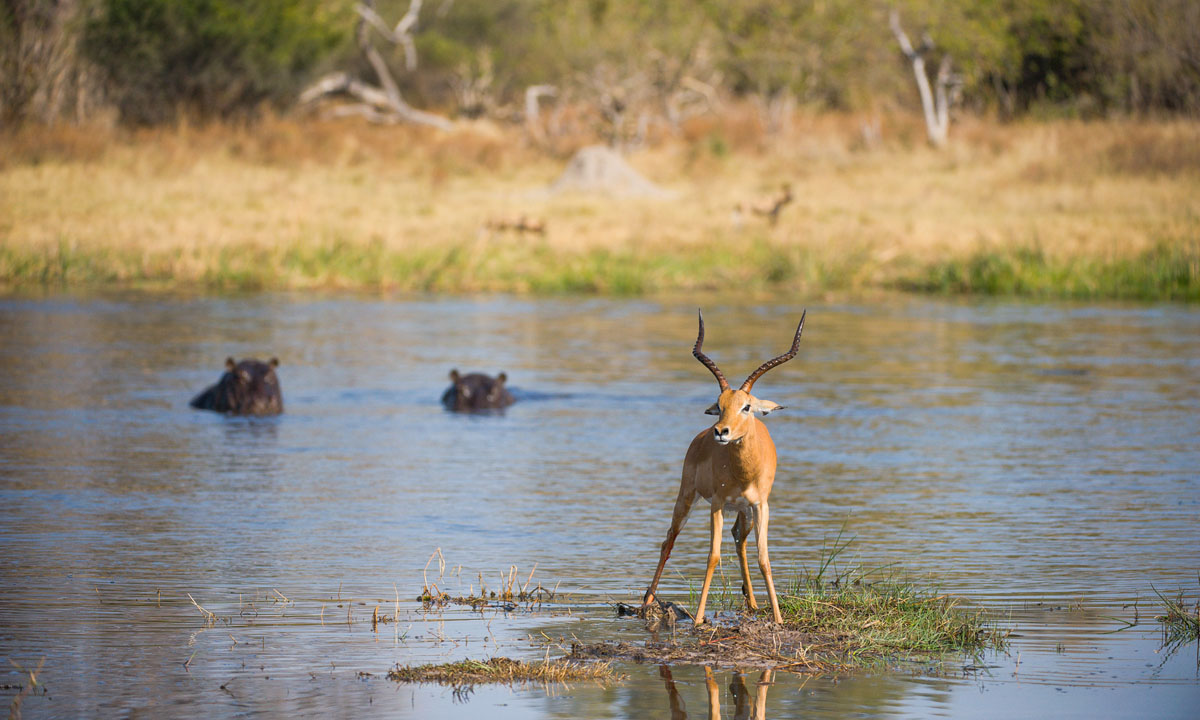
[(732, 466)]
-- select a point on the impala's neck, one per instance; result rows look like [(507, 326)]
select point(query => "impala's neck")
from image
[(754, 453)]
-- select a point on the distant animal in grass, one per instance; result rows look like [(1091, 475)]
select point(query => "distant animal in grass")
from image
[(519, 224), (768, 207), (476, 391), (249, 387)]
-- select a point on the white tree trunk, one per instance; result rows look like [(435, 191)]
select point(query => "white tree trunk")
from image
[(937, 112)]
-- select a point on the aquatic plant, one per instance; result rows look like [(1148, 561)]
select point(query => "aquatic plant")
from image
[(1180, 624)]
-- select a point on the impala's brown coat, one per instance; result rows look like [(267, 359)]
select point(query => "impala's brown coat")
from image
[(732, 466)]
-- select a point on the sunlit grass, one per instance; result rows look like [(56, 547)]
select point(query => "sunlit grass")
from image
[(1167, 271), (851, 617), (886, 617), (879, 613), (1055, 210)]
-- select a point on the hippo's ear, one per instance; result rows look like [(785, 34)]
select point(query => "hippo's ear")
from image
[(454, 376), (230, 364), (502, 377), (274, 362)]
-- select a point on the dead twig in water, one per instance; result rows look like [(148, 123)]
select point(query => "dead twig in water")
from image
[(210, 619)]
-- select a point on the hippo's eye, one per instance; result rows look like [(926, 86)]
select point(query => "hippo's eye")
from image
[(466, 391)]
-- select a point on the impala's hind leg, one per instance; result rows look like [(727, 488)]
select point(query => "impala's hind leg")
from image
[(764, 558), (741, 530)]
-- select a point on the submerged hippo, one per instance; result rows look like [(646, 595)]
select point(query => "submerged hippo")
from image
[(476, 391), (247, 388)]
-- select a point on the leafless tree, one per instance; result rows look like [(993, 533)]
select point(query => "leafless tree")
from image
[(382, 103), (936, 109)]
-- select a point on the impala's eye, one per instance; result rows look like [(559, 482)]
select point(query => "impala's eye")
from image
[(746, 409)]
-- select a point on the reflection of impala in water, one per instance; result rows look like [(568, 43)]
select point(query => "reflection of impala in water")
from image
[(732, 465), (745, 706)]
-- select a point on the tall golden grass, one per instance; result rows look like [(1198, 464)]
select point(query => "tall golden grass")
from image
[(1057, 208)]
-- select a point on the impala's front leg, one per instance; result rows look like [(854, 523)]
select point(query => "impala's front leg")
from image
[(714, 555), (764, 559), (683, 506)]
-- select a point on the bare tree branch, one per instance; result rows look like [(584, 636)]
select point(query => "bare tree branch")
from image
[(366, 12), (383, 104)]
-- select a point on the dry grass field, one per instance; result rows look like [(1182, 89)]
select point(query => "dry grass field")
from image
[(1060, 208)]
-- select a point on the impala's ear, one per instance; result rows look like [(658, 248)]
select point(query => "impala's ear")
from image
[(714, 409), (765, 406)]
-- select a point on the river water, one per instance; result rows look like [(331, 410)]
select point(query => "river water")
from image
[(1041, 460)]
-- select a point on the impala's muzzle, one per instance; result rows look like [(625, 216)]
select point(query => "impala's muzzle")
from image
[(721, 435)]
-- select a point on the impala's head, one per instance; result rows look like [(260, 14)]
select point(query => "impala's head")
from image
[(735, 408)]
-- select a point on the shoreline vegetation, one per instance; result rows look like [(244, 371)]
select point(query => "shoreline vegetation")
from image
[(1054, 209), (835, 620)]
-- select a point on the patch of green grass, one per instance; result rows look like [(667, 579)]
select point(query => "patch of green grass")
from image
[(878, 614), (885, 617), (851, 617), (720, 262), (1168, 271)]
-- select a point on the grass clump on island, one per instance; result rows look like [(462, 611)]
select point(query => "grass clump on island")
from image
[(832, 622), (505, 670), (864, 621)]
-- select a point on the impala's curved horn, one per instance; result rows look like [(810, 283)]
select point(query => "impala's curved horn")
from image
[(774, 361), (708, 363)]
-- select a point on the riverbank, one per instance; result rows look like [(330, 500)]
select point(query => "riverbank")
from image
[(1061, 209)]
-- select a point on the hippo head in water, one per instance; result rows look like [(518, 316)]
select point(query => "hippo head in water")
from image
[(247, 388), (476, 391)]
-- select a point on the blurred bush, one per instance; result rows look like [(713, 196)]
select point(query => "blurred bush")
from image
[(208, 58), (155, 59)]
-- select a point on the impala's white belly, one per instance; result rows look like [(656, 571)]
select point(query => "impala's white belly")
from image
[(739, 504)]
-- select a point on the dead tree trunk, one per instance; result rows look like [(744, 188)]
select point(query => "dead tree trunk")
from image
[(382, 104), (936, 109), (532, 109)]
